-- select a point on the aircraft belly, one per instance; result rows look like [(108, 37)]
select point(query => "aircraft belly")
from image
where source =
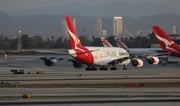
[(103, 61), (125, 62)]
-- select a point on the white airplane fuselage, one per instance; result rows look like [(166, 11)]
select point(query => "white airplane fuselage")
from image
[(101, 56)]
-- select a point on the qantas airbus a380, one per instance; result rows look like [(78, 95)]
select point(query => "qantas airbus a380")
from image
[(102, 57)]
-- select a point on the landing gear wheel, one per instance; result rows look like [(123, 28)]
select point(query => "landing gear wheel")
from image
[(103, 68), (113, 68), (94, 69), (124, 68), (87, 69)]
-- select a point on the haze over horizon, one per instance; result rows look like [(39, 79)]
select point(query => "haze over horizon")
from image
[(44, 17), (12, 7)]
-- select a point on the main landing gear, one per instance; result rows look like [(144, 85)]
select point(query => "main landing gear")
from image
[(88, 68), (113, 68), (103, 68), (92, 68), (124, 67)]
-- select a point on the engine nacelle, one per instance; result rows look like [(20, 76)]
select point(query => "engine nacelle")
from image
[(50, 62), (137, 62), (153, 60), (76, 64)]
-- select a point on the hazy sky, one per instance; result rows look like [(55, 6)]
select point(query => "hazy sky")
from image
[(10, 6)]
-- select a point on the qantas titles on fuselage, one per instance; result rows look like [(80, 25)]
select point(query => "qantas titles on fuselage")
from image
[(101, 53)]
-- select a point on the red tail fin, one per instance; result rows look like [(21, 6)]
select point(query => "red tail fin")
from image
[(120, 44), (74, 39), (105, 42), (164, 40)]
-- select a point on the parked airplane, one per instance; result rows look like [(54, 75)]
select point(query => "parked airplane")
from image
[(96, 56), (166, 42), (148, 53)]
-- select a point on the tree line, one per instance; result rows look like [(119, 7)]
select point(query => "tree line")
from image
[(37, 42)]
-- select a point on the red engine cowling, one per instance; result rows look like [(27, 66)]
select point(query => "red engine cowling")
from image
[(137, 62), (153, 60)]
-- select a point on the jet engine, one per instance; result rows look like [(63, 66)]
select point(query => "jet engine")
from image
[(137, 62), (76, 63), (50, 62), (153, 60)]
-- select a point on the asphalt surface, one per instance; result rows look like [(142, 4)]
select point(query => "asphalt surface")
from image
[(64, 72)]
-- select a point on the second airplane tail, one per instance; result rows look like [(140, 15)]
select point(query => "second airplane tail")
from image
[(105, 42), (74, 39), (120, 44), (164, 40)]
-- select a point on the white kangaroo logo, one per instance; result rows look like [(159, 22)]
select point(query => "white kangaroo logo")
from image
[(167, 43), (75, 38)]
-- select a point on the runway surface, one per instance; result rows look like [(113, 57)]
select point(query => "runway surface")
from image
[(64, 73), (107, 102)]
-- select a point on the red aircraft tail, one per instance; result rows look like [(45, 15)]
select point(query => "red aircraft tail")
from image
[(164, 40), (74, 39)]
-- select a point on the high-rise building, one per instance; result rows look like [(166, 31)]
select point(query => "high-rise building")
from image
[(74, 22), (98, 27), (117, 26), (64, 32), (104, 33), (174, 31)]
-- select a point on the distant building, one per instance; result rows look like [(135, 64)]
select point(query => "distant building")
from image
[(117, 26), (174, 30), (74, 22), (104, 33), (64, 32), (98, 28)]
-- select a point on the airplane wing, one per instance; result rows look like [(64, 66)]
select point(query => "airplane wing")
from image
[(53, 52), (166, 53), (57, 56), (37, 56)]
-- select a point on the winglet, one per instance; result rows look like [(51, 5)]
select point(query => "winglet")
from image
[(74, 39)]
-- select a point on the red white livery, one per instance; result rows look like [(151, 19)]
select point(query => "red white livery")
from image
[(148, 53), (94, 56), (166, 42)]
